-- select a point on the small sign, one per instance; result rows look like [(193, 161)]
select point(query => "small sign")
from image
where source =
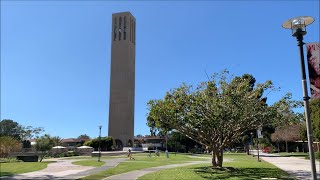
[(259, 133)]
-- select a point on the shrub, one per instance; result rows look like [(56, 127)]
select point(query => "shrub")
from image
[(8, 144), (106, 143), (9, 160), (316, 155)]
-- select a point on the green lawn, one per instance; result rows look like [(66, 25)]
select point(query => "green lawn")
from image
[(293, 154), (241, 167), (94, 163), (8, 169), (142, 161)]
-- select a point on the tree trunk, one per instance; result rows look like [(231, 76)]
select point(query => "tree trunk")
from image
[(42, 154), (213, 161), (220, 157), (247, 149), (287, 146)]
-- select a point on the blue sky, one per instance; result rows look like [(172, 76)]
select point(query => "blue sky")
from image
[(55, 56)]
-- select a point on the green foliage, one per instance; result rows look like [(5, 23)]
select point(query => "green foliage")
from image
[(316, 155), (57, 141), (84, 136), (181, 143), (142, 161), (106, 143), (9, 160), (216, 113), (241, 168), (315, 118), (65, 154), (11, 128), (8, 145), (44, 144)]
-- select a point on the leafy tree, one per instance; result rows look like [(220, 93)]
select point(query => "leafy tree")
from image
[(29, 132), (106, 143), (315, 119), (8, 144), (215, 114), (44, 144), (11, 128), (57, 141), (287, 134), (84, 136), (181, 143)]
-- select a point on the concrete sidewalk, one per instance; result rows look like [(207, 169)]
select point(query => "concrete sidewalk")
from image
[(64, 169), (296, 167)]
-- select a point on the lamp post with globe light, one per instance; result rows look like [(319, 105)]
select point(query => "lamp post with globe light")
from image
[(298, 26), (99, 148)]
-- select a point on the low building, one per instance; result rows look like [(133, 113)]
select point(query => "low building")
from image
[(72, 143)]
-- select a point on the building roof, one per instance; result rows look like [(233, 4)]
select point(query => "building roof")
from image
[(68, 140)]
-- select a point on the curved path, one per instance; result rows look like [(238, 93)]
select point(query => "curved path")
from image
[(64, 169), (295, 167)]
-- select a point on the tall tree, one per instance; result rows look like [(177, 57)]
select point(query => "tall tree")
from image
[(315, 119), (84, 136), (216, 113), (287, 134), (8, 145), (57, 141), (11, 128)]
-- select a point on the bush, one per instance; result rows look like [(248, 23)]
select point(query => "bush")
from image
[(106, 143), (66, 154), (9, 160), (316, 155), (8, 145)]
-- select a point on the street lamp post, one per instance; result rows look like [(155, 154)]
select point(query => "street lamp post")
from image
[(99, 149), (298, 27)]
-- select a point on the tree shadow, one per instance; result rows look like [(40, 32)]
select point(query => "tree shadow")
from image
[(208, 172), (2, 173)]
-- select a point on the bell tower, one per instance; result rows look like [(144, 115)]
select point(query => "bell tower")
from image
[(122, 79)]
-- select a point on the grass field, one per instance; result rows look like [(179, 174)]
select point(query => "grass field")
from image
[(241, 167), (142, 161), (94, 163), (293, 154), (8, 169)]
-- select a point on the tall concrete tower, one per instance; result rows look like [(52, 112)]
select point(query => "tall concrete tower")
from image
[(122, 82)]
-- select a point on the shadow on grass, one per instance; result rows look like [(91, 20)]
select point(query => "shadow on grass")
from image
[(208, 172), (6, 174)]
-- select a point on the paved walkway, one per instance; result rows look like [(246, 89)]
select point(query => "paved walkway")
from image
[(64, 169), (296, 167)]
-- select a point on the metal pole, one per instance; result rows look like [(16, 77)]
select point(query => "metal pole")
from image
[(99, 149), (306, 107)]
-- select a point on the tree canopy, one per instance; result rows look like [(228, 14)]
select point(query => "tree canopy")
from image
[(315, 118), (11, 128), (44, 144), (216, 113)]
